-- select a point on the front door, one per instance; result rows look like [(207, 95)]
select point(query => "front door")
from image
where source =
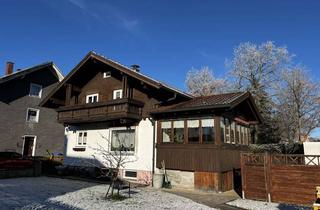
[(28, 146)]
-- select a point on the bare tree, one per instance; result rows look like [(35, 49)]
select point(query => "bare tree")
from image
[(201, 82), (115, 157), (254, 68), (298, 103)]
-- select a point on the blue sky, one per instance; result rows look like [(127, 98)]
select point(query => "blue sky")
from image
[(166, 38)]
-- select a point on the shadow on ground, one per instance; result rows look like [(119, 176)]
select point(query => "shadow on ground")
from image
[(36, 192), (292, 207)]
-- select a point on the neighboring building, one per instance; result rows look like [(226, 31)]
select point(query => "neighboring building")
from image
[(25, 127), (100, 101), (312, 149), (200, 140)]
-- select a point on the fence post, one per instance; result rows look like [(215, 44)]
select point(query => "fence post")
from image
[(267, 169)]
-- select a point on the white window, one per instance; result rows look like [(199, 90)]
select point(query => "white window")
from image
[(123, 140), (117, 94), (129, 174), (166, 131), (35, 90), (93, 98), (107, 74), (193, 131), (82, 138), (32, 115), (178, 131), (208, 134)]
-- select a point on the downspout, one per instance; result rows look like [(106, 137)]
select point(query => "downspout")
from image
[(153, 146), (173, 98)]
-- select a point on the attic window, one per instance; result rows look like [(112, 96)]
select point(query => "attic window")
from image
[(35, 90), (32, 115), (107, 74)]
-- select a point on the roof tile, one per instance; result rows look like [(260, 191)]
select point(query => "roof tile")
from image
[(224, 99)]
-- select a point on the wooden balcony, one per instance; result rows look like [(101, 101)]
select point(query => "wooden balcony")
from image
[(101, 111)]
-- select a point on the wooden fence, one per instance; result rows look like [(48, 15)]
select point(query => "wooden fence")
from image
[(280, 178)]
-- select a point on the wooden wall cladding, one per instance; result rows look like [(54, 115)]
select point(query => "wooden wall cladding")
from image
[(227, 181), (214, 181), (199, 157), (294, 184), (280, 178), (254, 185), (206, 180)]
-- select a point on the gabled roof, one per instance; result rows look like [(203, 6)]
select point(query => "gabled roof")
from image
[(148, 80), (136, 74), (32, 69), (225, 100)]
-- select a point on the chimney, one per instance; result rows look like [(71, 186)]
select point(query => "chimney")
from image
[(9, 68), (135, 68)]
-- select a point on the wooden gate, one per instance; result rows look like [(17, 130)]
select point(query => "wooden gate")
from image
[(280, 178)]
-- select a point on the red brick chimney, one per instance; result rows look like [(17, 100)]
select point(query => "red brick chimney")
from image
[(9, 68)]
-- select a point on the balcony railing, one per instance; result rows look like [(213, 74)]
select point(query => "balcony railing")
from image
[(101, 111)]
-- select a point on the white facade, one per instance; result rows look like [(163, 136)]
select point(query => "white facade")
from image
[(100, 137), (311, 148)]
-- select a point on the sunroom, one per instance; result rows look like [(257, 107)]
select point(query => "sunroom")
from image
[(205, 136)]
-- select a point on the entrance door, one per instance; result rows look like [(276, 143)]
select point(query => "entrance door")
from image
[(28, 146)]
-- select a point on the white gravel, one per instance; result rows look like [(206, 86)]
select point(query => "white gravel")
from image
[(254, 205), (55, 193)]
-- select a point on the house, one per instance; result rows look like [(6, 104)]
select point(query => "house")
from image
[(101, 101), (26, 127), (200, 140)]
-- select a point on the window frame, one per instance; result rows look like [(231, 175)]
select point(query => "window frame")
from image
[(115, 94), (134, 128), (106, 74), (130, 177), (213, 134), (37, 116), (222, 130), (174, 138), (199, 131), (161, 132), (232, 132), (92, 95), (186, 132), (82, 137), (35, 85)]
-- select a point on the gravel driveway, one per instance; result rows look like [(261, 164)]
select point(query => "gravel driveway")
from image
[(55, 193)]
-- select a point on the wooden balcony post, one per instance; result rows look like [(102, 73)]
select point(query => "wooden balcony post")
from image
[(186, 135), (68, 94), (159, 133), (125, 86)]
